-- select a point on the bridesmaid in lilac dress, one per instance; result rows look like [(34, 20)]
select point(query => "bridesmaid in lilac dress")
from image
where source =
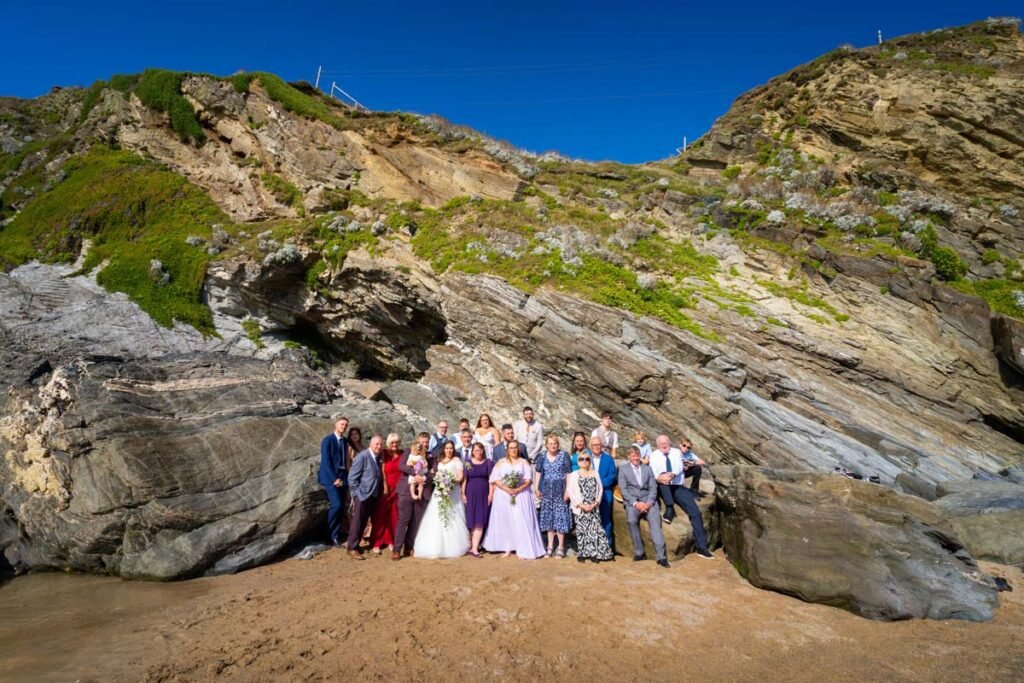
[(476, 495), (513, 527)]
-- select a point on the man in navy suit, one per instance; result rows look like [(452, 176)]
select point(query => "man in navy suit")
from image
[(508, 435), (366, 481), (332, 476)]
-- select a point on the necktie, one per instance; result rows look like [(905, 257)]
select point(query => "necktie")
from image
[(465, 454), (668, 465)]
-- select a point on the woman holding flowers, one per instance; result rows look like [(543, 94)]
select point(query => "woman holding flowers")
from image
[(513, 523), (476, 495), (443, 532)]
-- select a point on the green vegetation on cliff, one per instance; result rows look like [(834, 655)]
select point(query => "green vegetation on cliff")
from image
[(569, 248), (157, 89), (134, 212), (1001, 295)]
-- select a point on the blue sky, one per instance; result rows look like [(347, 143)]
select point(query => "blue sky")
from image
[(598, 80)]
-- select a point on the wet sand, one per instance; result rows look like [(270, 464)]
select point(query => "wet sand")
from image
[(483, 619)]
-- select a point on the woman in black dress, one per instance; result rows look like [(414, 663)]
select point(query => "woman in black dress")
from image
[(583, 491)]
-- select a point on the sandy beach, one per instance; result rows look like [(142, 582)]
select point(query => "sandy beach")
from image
[(482, 619)]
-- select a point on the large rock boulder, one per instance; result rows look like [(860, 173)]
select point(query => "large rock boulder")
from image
[(850, 544), (988, 516), (161, 469), (165, 468)]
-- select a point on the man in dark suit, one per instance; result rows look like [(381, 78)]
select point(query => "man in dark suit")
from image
[(508, 435), (366, 482), (332, 476), (463, 447), (410, 511), (668, 465), (640, 493)]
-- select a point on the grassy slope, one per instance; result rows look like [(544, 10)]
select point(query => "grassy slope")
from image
[(134, 211)]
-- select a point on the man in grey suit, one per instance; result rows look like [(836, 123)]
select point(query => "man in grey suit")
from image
[(639, 491), (365, 481)]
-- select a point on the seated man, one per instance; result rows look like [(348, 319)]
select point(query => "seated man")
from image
[(639, 491), (667, 464), (692, 466)]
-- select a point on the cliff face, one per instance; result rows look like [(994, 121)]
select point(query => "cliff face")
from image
[(830, 278), (941, 112)]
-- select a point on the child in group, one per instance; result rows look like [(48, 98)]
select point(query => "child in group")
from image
[(418, 462)]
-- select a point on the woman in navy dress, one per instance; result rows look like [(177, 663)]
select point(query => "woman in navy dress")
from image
[(476, 495), (555, 517)]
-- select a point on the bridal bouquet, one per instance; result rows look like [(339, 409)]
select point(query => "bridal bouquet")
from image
[(444, 482), (512, 480)]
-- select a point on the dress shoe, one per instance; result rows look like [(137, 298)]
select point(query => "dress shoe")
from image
[(395, 555), (639, 558), (355, 555), (663, 563)]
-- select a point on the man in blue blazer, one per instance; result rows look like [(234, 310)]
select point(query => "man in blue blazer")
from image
[(332, 476), (508, 435), (366, 481)]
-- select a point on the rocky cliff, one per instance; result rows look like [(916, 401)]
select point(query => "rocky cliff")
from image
[(200, 270)]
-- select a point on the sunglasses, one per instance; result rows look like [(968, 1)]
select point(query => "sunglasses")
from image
[(582, 459)]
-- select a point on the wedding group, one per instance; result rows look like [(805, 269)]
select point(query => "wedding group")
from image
[(484, 489)]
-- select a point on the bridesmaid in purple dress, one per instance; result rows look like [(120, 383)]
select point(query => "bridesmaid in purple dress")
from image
[(513, 523), (476, 495)]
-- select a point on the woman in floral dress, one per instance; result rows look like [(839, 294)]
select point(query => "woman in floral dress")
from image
[(551, 470)]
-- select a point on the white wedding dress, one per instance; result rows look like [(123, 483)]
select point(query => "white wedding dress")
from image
[(434, 539)]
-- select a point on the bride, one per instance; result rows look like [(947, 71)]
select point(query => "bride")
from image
[(439, 537)]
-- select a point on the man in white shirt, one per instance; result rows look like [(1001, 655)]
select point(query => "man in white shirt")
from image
[(609, 438), (464, 449), (440, 436), (530, 432), (640, 493), (609, 444), (667, 465)]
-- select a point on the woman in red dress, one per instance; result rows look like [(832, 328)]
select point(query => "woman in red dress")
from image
[(385, 515)]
